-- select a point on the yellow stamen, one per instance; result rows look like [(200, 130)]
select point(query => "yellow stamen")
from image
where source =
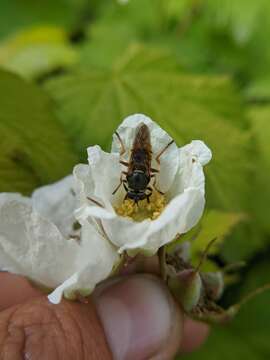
[(143, 210)]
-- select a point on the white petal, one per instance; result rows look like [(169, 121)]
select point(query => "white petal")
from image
[(159, 140), (83, 182), (105, 172), (84, 187), (56, 202), (31, 245), (181, 214), (126, 233), (56, 296), (95, 261), (190, 172), (199, 151), (120, 230), (84, 212)]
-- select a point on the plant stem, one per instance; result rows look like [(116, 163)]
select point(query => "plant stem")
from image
[(162, 262)]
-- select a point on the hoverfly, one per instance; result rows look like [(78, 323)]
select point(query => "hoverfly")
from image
[(136, 179)]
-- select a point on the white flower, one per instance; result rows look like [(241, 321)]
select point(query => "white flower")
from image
[(181, 178), (36, 241)]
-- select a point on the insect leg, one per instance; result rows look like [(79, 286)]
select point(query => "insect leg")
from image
[(125, 186), (153, 171), (150, 193), (118, 186), (162, 151), (121, 182), (125, 163), (155, 185), (123, 149), (95, 201)]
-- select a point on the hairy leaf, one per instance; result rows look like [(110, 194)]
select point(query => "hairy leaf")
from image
[(33, 148), (188, 107)]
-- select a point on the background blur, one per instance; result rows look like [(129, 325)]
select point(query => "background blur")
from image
[(71, 70)]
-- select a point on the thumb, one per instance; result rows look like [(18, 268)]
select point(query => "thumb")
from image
[(140, 318), (137, 314)]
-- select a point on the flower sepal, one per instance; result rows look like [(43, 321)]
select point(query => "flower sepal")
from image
[(198, 292)]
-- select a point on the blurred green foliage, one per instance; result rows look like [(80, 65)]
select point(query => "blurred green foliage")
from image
[(199, 68), (33, 52)]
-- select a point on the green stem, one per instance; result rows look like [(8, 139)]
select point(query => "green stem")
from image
[(162, 262)]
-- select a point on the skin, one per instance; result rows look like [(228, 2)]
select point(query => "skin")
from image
[(32, 328)]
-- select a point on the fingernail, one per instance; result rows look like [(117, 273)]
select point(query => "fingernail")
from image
[(139, 317)]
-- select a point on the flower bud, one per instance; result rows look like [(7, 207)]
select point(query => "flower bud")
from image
[(187, 288), (213, 284)]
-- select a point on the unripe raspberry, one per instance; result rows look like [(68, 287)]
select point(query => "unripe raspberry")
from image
[(187, 288), (213, 284)]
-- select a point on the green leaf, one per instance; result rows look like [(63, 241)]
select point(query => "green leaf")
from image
[(244, 242), (214, 225), (247, 337), (145, 17), (106, 43), (36, 51), (18, 14), (247, 240), (259, 88), (34, 148), (175, 8), (188, 107)]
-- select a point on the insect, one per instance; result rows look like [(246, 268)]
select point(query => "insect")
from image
[(136, 179)]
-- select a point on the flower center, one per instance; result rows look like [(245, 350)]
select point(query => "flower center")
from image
[(143, 210)]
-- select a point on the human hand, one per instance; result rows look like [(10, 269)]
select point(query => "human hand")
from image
[(132, 317)]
